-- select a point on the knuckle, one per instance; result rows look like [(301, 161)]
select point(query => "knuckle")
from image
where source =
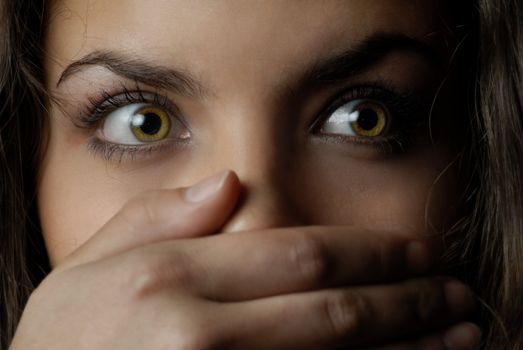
[(311, 258), (345, 314), (148, 273), (141, 207)]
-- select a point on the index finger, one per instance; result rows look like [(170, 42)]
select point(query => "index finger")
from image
[(289, 260), (250, 265)]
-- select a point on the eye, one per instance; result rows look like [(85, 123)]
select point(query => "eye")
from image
[(141, 123), (361, 118)]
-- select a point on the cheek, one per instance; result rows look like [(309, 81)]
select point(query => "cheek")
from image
[(71, 208), (79, 192), (408, 195), (75, 195)]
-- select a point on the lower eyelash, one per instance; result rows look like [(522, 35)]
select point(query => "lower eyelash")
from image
[(395, 144), (399, 143), (123, 153)]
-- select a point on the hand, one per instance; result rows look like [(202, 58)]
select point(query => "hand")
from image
[(144, 281)]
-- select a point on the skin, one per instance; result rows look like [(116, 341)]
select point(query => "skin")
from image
[(248, 122), (253, 117)]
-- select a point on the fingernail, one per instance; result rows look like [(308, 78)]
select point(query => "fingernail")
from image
[(206, 188), (460, 299), (466, 336)]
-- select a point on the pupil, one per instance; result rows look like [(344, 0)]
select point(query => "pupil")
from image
[(368, 119), (152, 123)]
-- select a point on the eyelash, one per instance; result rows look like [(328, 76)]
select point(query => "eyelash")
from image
[(104, 104), (98, 108), (405, 109)]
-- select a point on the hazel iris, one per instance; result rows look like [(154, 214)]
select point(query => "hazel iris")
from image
[(150, 124), (369, 119)]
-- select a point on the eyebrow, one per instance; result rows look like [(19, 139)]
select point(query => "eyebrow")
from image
[(334, 69), (138, 70), (366, 54)]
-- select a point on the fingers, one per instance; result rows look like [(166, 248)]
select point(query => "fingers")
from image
[(348, 318), (298, 259), (323, 319), (464, 336), (236, 267), (161, 215)]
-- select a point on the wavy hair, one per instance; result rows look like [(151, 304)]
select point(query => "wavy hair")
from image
[(497, 247)]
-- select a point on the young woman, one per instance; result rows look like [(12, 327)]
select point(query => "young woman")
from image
[(372, 148)]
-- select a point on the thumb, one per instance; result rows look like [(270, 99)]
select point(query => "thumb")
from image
[(161, 215)]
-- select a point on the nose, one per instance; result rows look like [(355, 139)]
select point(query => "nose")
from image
[(262, 206), (263, 161)]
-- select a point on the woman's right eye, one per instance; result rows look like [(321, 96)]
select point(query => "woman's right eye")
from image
[(140, 124)]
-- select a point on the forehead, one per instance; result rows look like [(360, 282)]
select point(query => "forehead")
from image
[(192, 16), (259, 32)]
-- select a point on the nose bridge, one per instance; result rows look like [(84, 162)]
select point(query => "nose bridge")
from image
[(253, 147), (252, 141)]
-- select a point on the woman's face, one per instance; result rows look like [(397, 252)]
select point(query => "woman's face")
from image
[(324, 109)]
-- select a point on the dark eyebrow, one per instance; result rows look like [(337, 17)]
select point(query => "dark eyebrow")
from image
[(138, 70), (366, 54), (331, 70)]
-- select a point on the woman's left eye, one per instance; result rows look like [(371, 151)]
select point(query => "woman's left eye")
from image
[(360, 118), (141, 123)]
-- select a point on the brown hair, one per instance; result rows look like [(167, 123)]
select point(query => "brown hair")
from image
[(492, 248), (22, 254), (497, 245)]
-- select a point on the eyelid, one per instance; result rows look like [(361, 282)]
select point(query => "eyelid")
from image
[(106, 102), (93, 113), (404, 107)]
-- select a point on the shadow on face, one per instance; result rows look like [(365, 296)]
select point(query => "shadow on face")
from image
[(322, 108)]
